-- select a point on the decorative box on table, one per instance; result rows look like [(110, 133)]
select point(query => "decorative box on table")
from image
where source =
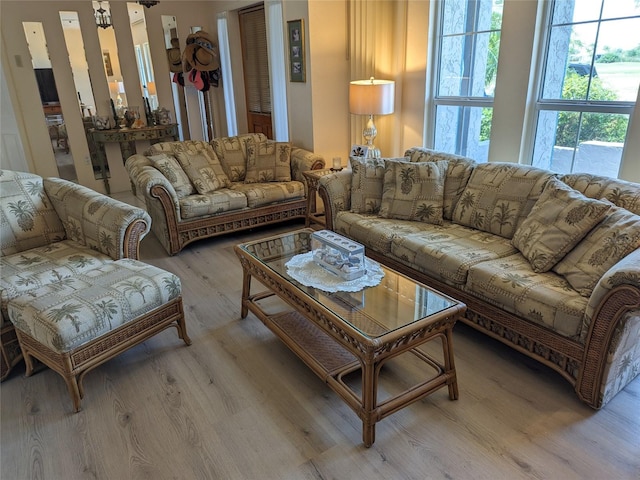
[(338, 254)]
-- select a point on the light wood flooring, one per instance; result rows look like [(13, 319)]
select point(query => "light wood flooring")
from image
[(238, 405)]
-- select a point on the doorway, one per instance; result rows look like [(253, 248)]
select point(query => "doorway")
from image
[(255, 62)]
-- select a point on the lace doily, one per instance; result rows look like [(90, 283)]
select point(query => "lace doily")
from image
[(303, 269)]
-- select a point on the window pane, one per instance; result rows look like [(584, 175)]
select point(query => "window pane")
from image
[(618, 58), (580, 142), (463, 131), (468, 65)]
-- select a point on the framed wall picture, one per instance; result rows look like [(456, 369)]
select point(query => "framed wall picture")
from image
[(297, 66), (106, 57)]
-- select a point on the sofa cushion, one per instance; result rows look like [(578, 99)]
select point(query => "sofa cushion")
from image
[(458, 173), (53, 263), (447, 252), (268, 162), (367, 179), (611, 240), (232, 153), (171, 169), (413, 191), (374, 232), (499, 196), (558, 221), (259, 194), (619, 192), (543, 298), (27, 217), (201, 172), (211, 203)]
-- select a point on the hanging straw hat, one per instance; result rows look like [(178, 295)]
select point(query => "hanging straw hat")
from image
[(201, 53), (175, 59)]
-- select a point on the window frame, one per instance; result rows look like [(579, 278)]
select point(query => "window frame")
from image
[(435, 100), (539, 104)]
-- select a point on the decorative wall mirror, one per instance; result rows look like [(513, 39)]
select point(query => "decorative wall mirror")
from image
[(80, 71), (174, 59), (110, 59), (41, 63), (143, 61)]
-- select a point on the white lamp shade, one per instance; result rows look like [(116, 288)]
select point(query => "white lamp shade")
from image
[(371, 97)]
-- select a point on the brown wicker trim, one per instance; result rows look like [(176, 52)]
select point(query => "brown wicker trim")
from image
[(133, 237), (606, 319)]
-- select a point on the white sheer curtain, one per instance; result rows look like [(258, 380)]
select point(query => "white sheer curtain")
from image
[(227, 77), (277, 70)]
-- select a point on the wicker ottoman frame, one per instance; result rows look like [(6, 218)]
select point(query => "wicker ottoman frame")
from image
[(74, 365)]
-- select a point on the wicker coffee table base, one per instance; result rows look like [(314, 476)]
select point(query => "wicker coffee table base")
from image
[(332, 350)]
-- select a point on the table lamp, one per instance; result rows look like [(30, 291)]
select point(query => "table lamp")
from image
[(371, 97)]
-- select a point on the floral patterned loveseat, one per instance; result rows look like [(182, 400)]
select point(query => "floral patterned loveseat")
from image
[(195, 190), (53, 230), (548, 264)]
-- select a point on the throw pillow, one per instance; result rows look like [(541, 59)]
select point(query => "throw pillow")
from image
[(232, 154), (171, 169), (611, 240), (268, 162), (499, 196), (458, 174), (414, 191), (367, 177), (201, 172), (558, 221)]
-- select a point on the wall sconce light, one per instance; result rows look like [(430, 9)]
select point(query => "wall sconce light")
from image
[(148, 3), (103, 17), (371, 97)]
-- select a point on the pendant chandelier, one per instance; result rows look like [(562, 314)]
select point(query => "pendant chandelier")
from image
[(148, 3), (103, 17)]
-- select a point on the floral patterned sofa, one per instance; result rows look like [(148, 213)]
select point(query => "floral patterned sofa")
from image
[(195, 189), (53, 230), (548, 264)]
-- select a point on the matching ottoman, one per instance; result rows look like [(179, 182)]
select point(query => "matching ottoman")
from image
[(80, 322)]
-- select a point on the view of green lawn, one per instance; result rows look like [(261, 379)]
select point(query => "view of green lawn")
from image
[(621, 77)]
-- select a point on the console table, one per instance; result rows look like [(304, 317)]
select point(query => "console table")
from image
[(127, 138)]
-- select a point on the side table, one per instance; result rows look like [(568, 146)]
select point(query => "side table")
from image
[(126, 137), (312, 177)]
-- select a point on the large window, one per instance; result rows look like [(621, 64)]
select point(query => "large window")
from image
[(589, 83), (465, 77)]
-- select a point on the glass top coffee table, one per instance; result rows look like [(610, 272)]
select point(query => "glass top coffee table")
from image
[(336, 334)]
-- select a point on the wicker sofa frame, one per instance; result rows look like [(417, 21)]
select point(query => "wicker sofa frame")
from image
[(586, 367)]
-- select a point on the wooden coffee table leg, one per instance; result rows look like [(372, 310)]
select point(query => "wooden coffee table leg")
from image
[(369, 399), (246, 290), (449, 364)]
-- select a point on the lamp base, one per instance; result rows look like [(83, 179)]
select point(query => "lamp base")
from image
[(369, 133)]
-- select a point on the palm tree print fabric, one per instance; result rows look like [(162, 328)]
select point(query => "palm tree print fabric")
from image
[(414, 191), (499, 196), (232, 152), (458, 173), (268, 162), (171, 169), (609, 242), (27, 217), (65, 315), (367, 178), (558, 221)]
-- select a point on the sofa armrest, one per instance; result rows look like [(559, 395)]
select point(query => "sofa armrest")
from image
[(107, 225), (303, 160), (611, 333), (335, 192)]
